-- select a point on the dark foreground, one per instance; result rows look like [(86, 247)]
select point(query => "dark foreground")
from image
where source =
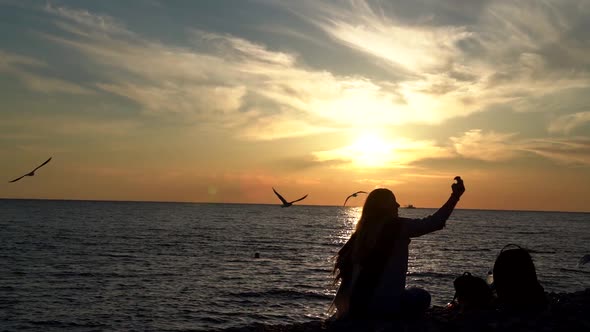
[(567, 312)]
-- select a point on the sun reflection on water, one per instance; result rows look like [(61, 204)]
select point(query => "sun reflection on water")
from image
[(350, 218)]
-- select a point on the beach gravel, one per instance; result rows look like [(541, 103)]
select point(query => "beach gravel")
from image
[(566, 312)]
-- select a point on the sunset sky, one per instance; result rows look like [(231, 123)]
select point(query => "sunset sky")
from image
[(218, 101)]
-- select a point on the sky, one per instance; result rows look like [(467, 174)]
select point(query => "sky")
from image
[(221, 100)]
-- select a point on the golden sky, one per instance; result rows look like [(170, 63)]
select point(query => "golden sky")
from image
[(218, 101)]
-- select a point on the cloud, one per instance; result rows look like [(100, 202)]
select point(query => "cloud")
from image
[(304, 163), (566, 123), (275, 127), (408, 47), (183, 99), (379, 183), (23, 67), (568, 151), (496, 52), (92, 21), (492, 146), (445, 68), (213, 79), (210, 80), (55, 125), (375, 152), (476, 144), (8, 60)]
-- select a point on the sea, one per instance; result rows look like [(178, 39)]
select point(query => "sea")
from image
[(146, 266)]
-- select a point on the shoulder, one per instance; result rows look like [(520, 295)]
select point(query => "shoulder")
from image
[(404, 221), (398, 225)]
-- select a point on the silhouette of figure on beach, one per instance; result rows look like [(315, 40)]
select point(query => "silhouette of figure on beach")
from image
[(472, 293), (515, 281), (372, 265)]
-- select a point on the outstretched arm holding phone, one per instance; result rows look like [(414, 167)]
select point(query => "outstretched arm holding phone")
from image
[(418, 227)]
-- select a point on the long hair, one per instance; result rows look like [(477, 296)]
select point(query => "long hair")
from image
[(379, 209), (515, 279)]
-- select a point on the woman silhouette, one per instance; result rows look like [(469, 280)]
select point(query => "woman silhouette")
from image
[(372, 265)]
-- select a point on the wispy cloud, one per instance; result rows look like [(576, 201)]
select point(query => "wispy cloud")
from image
[(566, 123), (373, 152), (59, 125), (413, 48), (102, 23), (270, 94), (568, 151), (505, 53), (230, 81), (491, 146), (379, 183), (24, 69)]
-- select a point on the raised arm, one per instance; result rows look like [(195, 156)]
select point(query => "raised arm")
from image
[(418, 227)]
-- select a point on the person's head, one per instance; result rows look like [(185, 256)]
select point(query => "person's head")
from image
[(471, 292), (380, 207), (380, 204), (515, 279)]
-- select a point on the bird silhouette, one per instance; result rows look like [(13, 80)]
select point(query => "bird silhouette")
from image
[(31, 173), (285, 203), (354, 195)]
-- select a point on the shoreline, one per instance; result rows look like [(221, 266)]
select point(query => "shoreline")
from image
[(566, 312)]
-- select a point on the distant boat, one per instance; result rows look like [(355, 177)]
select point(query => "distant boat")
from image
[(409, 206)]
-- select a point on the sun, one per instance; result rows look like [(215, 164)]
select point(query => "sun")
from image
[(367, 151), (370, 150)]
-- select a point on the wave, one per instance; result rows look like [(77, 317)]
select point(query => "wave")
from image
[(574, 270), (533, 251), (116, 255), (284, 293), (60, 324), (431, 275), (467, 250)]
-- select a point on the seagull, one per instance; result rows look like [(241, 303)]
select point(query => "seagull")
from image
[(584, 260), (354, 195), (285, 203), (32, 173)]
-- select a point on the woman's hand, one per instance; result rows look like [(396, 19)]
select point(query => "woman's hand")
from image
[(458, 187)]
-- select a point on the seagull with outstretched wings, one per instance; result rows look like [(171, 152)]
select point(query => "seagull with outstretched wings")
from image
[(32, 173), (354, 195), (285, 203)]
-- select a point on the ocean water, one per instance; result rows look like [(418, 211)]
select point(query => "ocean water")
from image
[(122, 266)]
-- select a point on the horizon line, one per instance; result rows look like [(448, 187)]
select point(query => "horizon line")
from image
[(239, 203)]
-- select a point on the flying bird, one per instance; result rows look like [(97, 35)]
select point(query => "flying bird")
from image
[(32, 173), (285, 203), (354, 195)]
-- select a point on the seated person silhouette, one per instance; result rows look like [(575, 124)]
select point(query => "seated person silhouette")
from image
[(471, 294), (515, 281), (372, 265)]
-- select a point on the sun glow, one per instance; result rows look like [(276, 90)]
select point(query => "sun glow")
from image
[(370, 150)]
